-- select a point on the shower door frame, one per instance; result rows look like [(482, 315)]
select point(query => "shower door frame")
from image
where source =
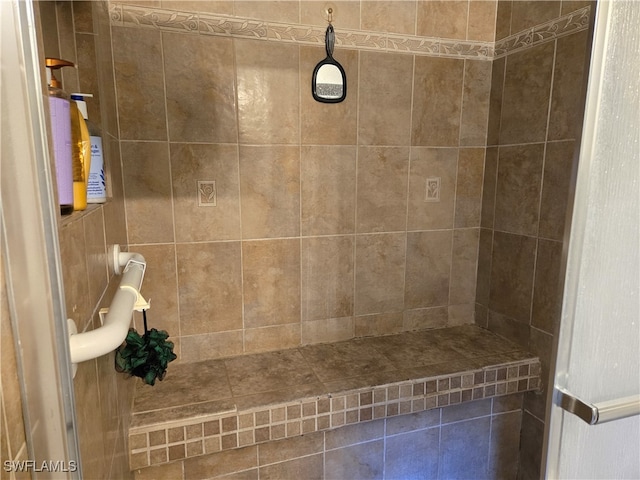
[(30, 250)]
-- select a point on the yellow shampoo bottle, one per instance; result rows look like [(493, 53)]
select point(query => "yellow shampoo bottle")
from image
[(81, 156)]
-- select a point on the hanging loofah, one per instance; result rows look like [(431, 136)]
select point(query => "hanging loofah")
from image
[(145, 356)]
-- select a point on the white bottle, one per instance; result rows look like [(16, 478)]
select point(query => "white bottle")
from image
[(97, 186)]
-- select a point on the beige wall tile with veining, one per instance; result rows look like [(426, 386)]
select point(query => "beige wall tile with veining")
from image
[(456, 460), (327, 277), (528, 14), (97, 266), (569, 6), (309, 467), (382, 189), (432, 163), (425, 318), (73, 253), (87, 397), (161, 286), (275, 337), (209, 287), (358, 461), (556, 184), (483, 282), (378, 324), (346, 13), (328, 123), (547, 301), (443, 18), (509, 328), (206, 346), (88, 72), (287, 449), (512, 275), (428, 269), (495, 101), (565, 116), (505, 439), (518, 188), (196, 221), (104, 58), (276, 11), (218, 464), (469, 187), (328, 176), (271, 282), (384, 101), (327, 330), (408, 455), (268, 91), (66, 41), (437, 101), (200, 83), (503, 19), (525, 101), (388, 16), (147, 191), (464, 264), (270, 191), (489, 187), (380, 267), (475, 102), (482, 20), (169, 471), (137, 57), (49, 28), (210, 6), (115, 220)]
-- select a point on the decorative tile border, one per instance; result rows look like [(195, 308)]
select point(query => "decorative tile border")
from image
[(163, 443), (566, 25), (230, 26)]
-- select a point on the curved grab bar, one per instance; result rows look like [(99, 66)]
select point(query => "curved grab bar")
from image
[(103, 340)]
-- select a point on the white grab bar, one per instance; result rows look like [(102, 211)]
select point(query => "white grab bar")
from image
[(103, 340)]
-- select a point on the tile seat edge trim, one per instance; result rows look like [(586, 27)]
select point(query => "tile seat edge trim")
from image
[(287, 419)]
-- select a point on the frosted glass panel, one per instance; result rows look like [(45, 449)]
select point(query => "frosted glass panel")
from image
[(599, 350)]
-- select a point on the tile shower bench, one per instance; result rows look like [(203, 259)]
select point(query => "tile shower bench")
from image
[(215, 405)]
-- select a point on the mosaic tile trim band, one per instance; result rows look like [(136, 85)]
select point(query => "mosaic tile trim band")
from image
[(228, 26), (158, 444)]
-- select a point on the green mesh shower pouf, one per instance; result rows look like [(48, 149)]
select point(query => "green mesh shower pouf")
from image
[(145, 356)]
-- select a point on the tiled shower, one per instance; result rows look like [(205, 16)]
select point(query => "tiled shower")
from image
[(321, 230)]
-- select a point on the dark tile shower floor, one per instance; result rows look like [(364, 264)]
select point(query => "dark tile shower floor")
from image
[(256, 380)]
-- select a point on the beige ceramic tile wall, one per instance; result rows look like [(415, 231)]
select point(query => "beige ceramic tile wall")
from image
[(80, 32), (320, 231), (422, 445), (535, 113)]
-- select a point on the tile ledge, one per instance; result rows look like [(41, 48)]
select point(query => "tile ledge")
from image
[(241, 427)]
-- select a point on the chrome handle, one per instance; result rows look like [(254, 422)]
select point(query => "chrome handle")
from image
[(597, 413)]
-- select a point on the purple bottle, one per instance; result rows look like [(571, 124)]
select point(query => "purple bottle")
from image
[(59, 108)]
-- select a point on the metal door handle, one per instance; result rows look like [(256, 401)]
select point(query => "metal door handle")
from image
[(597, 413)]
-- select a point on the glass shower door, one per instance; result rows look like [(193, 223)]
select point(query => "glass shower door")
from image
[(594, 424), (30, 252)]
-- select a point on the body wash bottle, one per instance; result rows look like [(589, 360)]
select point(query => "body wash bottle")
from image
[(81, 157), (96, 187), (60, 110)]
